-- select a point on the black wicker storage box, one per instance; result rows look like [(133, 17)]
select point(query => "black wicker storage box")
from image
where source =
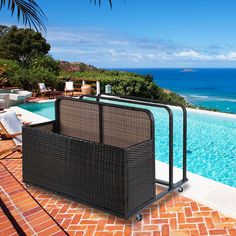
[(100, 154)]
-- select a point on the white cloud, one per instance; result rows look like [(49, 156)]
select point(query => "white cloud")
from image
[(193, 55), (92, 44), (189, 53), (107, 48), (112, 49), (227, 57)]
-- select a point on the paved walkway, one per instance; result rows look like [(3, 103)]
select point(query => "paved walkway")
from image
[(24, 213), (39, 212)]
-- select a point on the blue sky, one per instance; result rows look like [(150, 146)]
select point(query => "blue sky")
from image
[(137, 33)]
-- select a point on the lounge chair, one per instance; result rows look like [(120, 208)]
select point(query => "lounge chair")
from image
[(11, 128), (69, 87), (44, 90)]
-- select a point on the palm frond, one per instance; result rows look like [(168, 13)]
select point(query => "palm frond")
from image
[(100, 2), (27, 10)]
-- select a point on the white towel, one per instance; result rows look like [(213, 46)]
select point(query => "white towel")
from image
[(12, 125)]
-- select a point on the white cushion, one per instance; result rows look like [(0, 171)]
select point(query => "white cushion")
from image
[(12, 125), (42, 86), (69, 85)]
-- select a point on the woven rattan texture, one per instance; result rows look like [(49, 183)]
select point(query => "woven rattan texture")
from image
[(84, 170), (106, 175), (80, 120), (124, 127), (141, 174)]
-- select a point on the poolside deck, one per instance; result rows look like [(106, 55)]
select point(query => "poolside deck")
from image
[(33, 211)]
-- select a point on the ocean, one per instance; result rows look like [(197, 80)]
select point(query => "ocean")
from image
[(210, 88)]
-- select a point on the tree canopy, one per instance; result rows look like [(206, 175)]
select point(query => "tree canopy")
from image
[(22, 45)]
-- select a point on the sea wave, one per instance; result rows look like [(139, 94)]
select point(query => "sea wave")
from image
[(227, 100), (209, 98), (199, 96), (194, 96)]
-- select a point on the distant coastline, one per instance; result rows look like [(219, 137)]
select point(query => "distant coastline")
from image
[(214, 89)]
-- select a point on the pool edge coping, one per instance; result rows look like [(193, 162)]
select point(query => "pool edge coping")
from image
[(29, 116)]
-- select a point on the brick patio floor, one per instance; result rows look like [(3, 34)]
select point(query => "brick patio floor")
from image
[(37, 212)]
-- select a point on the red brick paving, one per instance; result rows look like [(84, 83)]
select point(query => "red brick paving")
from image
[(175, 215), (6, 227), (27, 212)]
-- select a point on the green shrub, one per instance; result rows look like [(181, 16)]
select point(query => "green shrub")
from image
[(127, 83), (27, 78), (45, 69), (45, 62), (40, 75), (7, 70)]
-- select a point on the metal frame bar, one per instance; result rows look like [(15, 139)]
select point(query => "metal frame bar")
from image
[(148, 100), (155, 103), (184, 122), (100, 123), (171, 161)]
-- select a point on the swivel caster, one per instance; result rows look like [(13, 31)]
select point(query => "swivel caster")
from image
[(139, 217), (180, 189)]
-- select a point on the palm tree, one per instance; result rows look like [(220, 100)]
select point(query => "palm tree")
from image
[(31, 13), (27, 10)]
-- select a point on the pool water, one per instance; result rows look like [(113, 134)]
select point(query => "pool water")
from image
[(45, 109), (211, 141)]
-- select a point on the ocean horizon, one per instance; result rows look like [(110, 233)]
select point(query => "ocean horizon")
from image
[(212, 88)]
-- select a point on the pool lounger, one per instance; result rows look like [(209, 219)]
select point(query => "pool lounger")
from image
[(100, 154)]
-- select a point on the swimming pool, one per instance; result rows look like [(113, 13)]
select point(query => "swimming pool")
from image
[(45, 109), (211, 141)]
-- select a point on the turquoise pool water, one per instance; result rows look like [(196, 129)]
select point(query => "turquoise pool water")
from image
[(45, 109), (211, 141)]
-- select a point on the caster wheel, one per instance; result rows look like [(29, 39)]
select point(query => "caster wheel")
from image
[(180, 189), (139, 217)]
